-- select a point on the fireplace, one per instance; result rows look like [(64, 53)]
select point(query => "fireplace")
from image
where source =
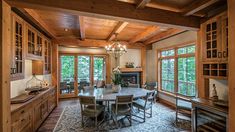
[(130, 77)]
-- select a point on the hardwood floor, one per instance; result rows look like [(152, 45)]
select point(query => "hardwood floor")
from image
[(49, 124)]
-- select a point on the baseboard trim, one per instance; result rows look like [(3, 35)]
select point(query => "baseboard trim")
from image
[(166, 102)]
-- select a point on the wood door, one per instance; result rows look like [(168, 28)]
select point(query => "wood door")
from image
[(37, 116), (68, 72)]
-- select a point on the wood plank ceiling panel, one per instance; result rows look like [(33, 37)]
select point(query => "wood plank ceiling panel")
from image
[(60, 22), (98, 28), (131, 30)]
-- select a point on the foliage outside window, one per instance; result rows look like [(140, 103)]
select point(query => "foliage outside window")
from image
[(99, 68), (67, 68), (84, 68), (183, 60)]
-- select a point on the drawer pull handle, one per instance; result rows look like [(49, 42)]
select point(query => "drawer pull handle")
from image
[(22, 111), (22, 120)]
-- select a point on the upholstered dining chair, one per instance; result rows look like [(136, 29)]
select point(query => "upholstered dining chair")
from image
[(89, 108), (88, 88), (183, 105), (63, 87), (144, 104), (122, 107)]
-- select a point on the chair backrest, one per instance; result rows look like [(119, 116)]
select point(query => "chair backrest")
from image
[(124, 100), (151, 85), (71, 84), (131, 85), (88, 88), (87, 100), (108, 85), (150, 97), (63, 85)]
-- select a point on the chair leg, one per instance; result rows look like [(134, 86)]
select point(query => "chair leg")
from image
[(96, 122), (151, 111), (82, 122), (130, 119), (176, 115), (144, 115)]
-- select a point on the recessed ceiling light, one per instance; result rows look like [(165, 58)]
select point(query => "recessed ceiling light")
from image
[(66, 29)]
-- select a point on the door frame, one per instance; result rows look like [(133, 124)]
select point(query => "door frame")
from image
[(92, 55)]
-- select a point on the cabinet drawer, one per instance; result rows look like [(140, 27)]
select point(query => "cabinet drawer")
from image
[(21, 121)]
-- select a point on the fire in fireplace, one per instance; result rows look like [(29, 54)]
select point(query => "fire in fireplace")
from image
[(133, 77)]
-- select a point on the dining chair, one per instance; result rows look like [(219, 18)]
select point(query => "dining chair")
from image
[(63, 87), (145, 104), (183, 105), (71, 86), (89, 108), (108, 85), (122, 107), (88, 88)]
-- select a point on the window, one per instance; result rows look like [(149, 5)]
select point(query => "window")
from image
[(178, 70), (84, 68)]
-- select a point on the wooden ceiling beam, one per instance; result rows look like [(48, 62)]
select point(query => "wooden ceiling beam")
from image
[(163, 35), (196, 6), (81, 27), (117, 29), (115, 10), (142, 3), (149, 31), (73, 42), (36, 18)]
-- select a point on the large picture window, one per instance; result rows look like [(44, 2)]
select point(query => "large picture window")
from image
[(178, 70)]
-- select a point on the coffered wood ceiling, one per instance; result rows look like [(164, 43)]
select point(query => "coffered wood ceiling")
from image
[(137, 22)]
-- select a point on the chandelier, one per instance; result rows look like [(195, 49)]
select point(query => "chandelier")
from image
[(116, 48)]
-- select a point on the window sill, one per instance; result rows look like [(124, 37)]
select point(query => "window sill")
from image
[(174, 95)]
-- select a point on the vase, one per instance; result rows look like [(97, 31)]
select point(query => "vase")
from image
[(116, 88)]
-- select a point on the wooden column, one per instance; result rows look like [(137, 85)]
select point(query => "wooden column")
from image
[(5, 42), (55, 68), (231, 63), (143, 65)]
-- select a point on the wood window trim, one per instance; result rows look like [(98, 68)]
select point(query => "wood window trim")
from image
[(175, 57)]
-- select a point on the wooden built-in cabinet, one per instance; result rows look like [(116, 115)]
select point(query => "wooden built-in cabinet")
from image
[(17, 65), (28, 116), (215, 47), (44, 66), (28, 43), (34, 45)]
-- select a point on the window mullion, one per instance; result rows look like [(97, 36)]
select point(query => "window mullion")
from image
[(176, 72)]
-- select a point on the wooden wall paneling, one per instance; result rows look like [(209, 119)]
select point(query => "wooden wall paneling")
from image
[(5, 64), (55, 68), (231, 63), (143, 65), (127, 12), (108, 69)]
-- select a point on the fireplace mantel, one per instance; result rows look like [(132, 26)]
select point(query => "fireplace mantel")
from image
[(131, 69)]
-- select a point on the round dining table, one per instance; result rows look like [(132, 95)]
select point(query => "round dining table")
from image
[(107, 94)]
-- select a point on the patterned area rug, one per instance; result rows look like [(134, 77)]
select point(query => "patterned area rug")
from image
[(163, 120)]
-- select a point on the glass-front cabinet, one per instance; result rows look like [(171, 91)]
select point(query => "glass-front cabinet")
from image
[(215, 47), (17, 65), (34, 44)]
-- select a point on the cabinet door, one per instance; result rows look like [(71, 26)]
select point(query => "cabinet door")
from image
[(17, 68), (37, 116), (39, 46), (44, 109), (47, 56)]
